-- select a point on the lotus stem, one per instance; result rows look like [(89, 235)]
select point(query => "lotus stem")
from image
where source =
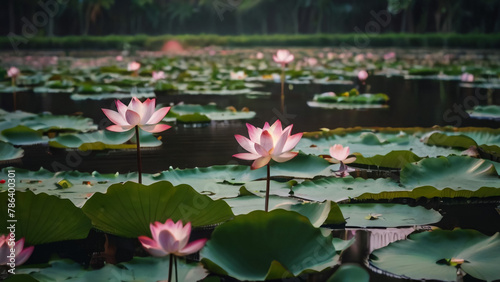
[(139, 160), (14, 94), (283, 89), (267, 186), (176, 271), (171, 260)]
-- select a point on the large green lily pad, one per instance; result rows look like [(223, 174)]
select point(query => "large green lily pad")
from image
[(457, 172), (260, 246), (211, 111), (350, 272), (128, 209), (42, 218), (9, 152), (425, 255), (387, 215), (318, 213), (103, 140), (147, 269)]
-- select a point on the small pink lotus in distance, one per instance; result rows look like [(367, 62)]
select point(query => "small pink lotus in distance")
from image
[(21, 253), (283, 57), (330, 55), (119, 58), (269, 142), (260, 55), (239, 75), (340, 154), (312, 61), (13, 72), (157, 75), (389, 56), (170, 238), (362, 75), (359, 58), (137, 114), (133, 66), (467, 77)]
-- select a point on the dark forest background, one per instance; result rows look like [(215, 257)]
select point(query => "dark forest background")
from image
[(234, 17)]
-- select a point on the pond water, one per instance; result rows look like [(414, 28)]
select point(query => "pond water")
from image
[(413, 102), (419, 102)]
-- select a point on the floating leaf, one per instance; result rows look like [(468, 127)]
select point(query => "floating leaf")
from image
[(149, 269), (350, 272), (43, 219), (421, 256), (258, 246), (128, 209), (22, 135), (9, 152), (387, 215), (394, 159), (457, 172)]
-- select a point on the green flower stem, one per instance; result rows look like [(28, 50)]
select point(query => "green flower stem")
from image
[(171, 260), (283, 88), (14, 94), (176, 271), (267, 186), (139, 160)]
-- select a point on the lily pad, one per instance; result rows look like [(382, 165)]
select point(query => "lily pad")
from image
[(211, 111), (427, 255), (9, 152), (318, 213), (22, 135), (128, 209), (42, 218), (350, 272), (258, 246), (102, 140), (47, 121), (485, 112), (456, 172), (387, 215), (394, 159), (148, 269)]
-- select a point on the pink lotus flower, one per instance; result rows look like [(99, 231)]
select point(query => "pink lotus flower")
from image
[(259, 56), (312, 61), (389, 56), (270, 142), (21, 254), (283, 57), (157, 75), (240, 75), (137, 114), (133, 66), (340, 154), (119, 58), (13, 72), (359, 58), (467, 77), (170, 238), (362, 75)]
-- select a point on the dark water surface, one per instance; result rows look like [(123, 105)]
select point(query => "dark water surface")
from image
[(412, 103)]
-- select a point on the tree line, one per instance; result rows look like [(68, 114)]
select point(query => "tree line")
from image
[(234, 17)]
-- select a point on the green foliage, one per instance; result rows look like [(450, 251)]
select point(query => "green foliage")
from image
[(261, 246), (142, 205), (425, 255), (43, 219)]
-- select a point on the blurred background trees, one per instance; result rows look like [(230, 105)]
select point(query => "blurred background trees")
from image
[(153, 17)]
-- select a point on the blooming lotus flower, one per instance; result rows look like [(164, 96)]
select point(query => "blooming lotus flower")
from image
[(340, 154), (240, 75), (259, 56), (13, 72), (269, 142), (312, 61), (389, 56), (137, 114), (359, 58), (467, 77), (283, 57), (362, 75), (133, 66), (170, 238), (119, 58), (21, 254), (157, 75)]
